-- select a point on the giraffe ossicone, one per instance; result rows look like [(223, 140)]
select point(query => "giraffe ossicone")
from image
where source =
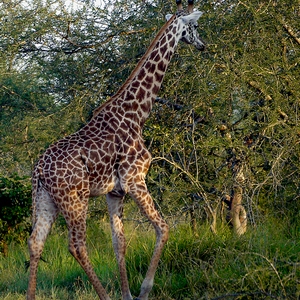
[(108, 156)]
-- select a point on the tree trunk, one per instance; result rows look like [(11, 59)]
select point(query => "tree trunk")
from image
[(237, 215), (237, 212)]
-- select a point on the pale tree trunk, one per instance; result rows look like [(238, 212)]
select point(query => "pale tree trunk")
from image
[(237, 211), (237, 215)]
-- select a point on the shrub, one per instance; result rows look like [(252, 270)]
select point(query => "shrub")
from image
[(15, 203)]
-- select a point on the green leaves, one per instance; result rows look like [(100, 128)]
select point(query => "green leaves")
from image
[(239, 99), (15, 203)]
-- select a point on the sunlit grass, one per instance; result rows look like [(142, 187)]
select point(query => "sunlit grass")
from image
[(262, 264)]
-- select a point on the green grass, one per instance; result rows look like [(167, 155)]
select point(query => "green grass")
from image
[(262, 264)]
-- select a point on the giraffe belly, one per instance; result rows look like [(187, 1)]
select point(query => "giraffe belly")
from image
[(101, 186)]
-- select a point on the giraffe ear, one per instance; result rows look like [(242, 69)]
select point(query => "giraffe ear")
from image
[(194, 16), (168, 17)]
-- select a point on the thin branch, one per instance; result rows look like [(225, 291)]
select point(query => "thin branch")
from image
[(191, 178), (78, 46), (290, 31), (169, 103), (256, 85), (273, 267), (196, 118)]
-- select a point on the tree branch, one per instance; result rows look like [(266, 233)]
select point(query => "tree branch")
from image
[(290, 31), (256, 85)]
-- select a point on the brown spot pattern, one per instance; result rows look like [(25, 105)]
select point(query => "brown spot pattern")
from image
[(107, 156)]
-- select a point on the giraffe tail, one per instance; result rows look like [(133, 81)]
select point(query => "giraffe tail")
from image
[(35, 181)]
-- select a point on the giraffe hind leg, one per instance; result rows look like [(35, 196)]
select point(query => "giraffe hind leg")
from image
[(115, 208), (76, 222), (45, 214)]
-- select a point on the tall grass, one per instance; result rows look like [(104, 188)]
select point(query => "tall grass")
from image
[(262, 264)]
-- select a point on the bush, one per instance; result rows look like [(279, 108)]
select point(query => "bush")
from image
[(15, 203)]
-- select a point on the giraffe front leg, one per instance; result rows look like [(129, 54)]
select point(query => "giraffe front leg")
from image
[(115, 209), (143, 199)]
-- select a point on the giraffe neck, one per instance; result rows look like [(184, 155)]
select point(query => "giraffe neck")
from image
[(137, 94)]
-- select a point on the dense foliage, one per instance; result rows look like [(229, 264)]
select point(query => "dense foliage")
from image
[(225, 118), (15, 203), (226, 122)]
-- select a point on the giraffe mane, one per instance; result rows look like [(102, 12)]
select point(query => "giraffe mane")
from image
[(136, 69)]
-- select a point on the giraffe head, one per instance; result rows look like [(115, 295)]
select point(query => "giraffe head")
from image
[(188, 24)]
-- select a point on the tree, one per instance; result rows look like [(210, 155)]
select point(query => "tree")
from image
[(76, 59), (234, 107), (238, 102)]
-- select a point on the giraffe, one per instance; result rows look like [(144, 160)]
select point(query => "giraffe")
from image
[(108, 156)]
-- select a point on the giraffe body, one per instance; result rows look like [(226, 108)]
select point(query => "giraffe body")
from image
[(107, 156)]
